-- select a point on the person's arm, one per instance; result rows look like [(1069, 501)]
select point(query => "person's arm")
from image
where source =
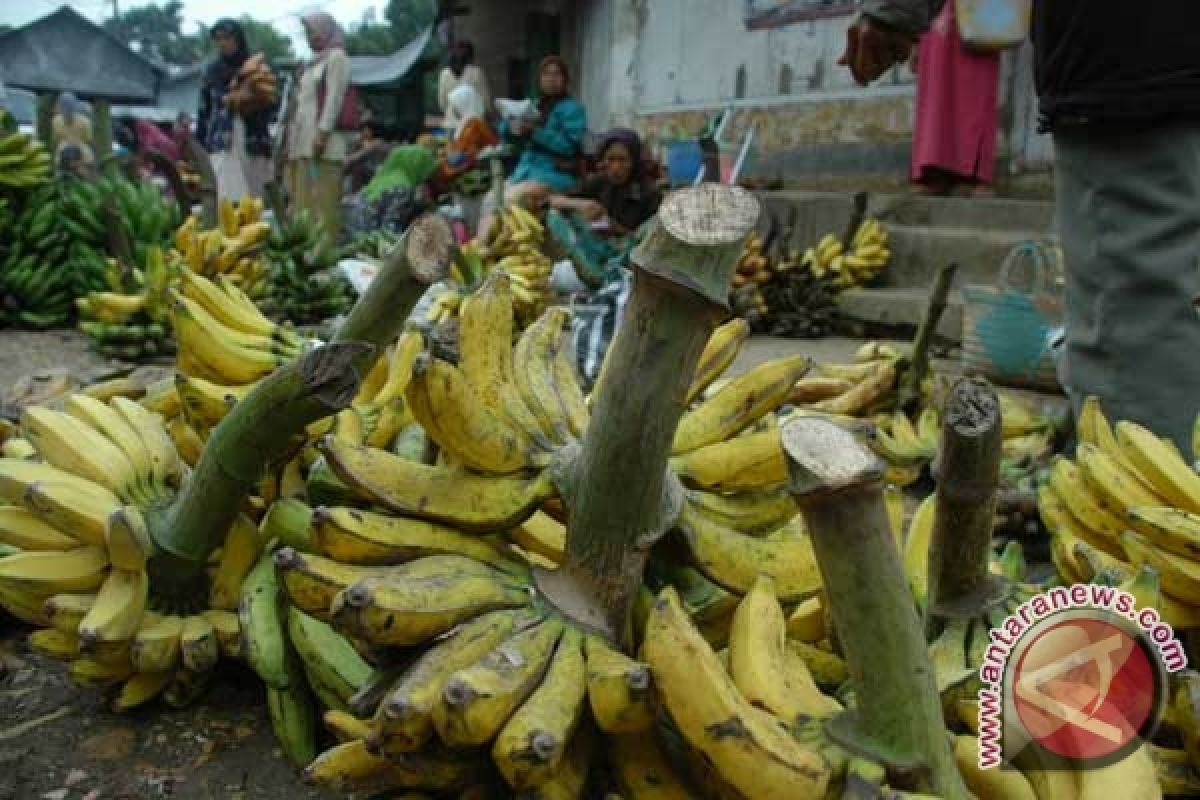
[(479, 81), (562, 134), (445, 81), (884, 35), (337, 78)]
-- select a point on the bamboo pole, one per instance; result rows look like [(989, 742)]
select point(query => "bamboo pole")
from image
[(968, 476), (621, 497), (838, 485)]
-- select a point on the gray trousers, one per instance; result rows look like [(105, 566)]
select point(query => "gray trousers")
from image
[(1129, 218)]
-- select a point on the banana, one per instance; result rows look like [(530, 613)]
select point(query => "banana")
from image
[(128, 539), (534, 374), (1133, 777), (1161, 464), (198, 646), (78, 448), (350, 767), (206, 403), (264, 640), (17, 475), (916, 548), (643, 771), (226, 309), (746, 748), (293, 716), (26, 603), (56, 571), (761, 666), (443, 401), (1174, 772), (87, 673), (486, 355), (139, 689), (117, 611), (807, 621), (219, 355), (1003, 783), (345, 726), (239, 554), (402, 607), (1116, 486), (54, 644), (156, 646), (161, 398), (353, 536), (619, 690), (751, 513), (404, 720), (1068, 483), (80, 507), (112, 424), (744, 463), (311, 582), (541, 535), (534, 740), (22, 529), (570, 779), (18, 447), (64, 612), (409, 344), (479, 699), (1180, 576), (864, 394), (1171, 529), (186, 440), (471, 502), (734, 562), (228, 629), (328, 657), (164, 459), (739, 404)]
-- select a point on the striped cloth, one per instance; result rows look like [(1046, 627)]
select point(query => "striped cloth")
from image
[(595, 324)]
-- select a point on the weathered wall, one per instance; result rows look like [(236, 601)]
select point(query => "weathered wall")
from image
[(666, 66)]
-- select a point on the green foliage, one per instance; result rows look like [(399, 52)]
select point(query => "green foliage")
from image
[(157, 32), (403, 20)]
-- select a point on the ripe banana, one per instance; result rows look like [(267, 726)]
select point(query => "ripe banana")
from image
[(117, 610), (112, 424), (156, 645), (750, 513), (535, 376), (353, 536), (311, 582), (1161, 464), (1171, 529), (744, 463), (239, 554), (541, 535), (619, 689), (165, 463), (24, 530), (54, 571), (644, 771), (78, 448), (198, 646)]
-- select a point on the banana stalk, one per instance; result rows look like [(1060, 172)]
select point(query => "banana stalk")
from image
[(262, 426), (683, 270), (838, 485)]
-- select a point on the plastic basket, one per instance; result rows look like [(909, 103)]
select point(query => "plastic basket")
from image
[(1007, 331), (684, 160)]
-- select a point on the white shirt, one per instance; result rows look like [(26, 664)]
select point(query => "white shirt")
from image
[(472, 75), (302, 133)]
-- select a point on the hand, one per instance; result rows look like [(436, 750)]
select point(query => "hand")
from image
[(319, 143), (872, 50), (518, 127), (593, 211)]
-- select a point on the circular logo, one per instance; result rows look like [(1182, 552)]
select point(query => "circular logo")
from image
[(1086, 686)]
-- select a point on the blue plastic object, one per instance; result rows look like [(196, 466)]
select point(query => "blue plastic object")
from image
[(684, 160)]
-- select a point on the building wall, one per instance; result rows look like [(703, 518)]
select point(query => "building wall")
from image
[(667, 66)]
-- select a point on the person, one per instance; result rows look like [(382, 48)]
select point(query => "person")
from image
[(71, 127), (1119, 89), (316, 150), (71, 163), (240, 144), (182, 129), (151, 138), (470, 137), (369, 152), (461, 70), (954, 135)]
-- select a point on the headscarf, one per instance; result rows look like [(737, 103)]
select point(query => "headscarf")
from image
[(225, 67), (466, 104), (632, 142), (327, 35), (461, 54), (69, 105), (547, 102)]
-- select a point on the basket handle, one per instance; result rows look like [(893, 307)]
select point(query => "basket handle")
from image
[(1040, 281)]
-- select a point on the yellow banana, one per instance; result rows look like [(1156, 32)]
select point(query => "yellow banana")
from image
[(239, 554), (880, 380), (198, 646), (1116, 486), (1171, 529), (139, 689), (751, 513), (81, 508), (759, 661), (619, 690), (747, 749), (226, 309), (1068, 483), (1133, 777), (353, 536), (64, 612), (233, 362), (534, 376), (1161, 464), (744, 463), (734, 562), (479, 699), (916, 548), (643, 770), (164, 458), (312, 582), (24, 530), (53, 571), (468, 501), (78, 448), (156, 646), (118, 609), (1005, 782), (806, 621), (128, 539), (541, 535), (228, 629), (112, 424), (54, 644), (741, 403), (1180, 576), (188, 443), (206, 403)]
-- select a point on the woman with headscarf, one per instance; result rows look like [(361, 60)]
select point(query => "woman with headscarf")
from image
[(238, 142), (71, 127), (316, 148), (470, 136), (461, 70), (551, 147)]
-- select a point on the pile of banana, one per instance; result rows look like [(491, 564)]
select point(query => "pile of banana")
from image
[(373, 246), (233, 249), (146, 217), (853, 265), (129, 319), (76, 522), (254, 88), (24, 161), (1128, 499), (863, 388), (515, 247), (304, 286)]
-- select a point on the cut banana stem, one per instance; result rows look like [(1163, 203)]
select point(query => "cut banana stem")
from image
[(838, 485), (968, 483)]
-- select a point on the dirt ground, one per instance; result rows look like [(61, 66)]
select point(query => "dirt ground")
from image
[(58, 742)]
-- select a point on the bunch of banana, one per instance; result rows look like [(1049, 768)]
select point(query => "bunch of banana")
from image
[(901, 443), (863, 388), (222, 337), (131, 326), (304, 286), (854, 265), (145, 215), (254, 88), (79, 519), (24, 162), (1130, 495), (753, 265), (516, 249), (233, 249), (373, 246)]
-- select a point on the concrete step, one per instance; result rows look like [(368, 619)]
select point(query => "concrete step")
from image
[(900, 307), (976, 213), (919, 251)]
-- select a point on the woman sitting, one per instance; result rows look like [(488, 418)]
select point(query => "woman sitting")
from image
[(470, 136), (370, 151)]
